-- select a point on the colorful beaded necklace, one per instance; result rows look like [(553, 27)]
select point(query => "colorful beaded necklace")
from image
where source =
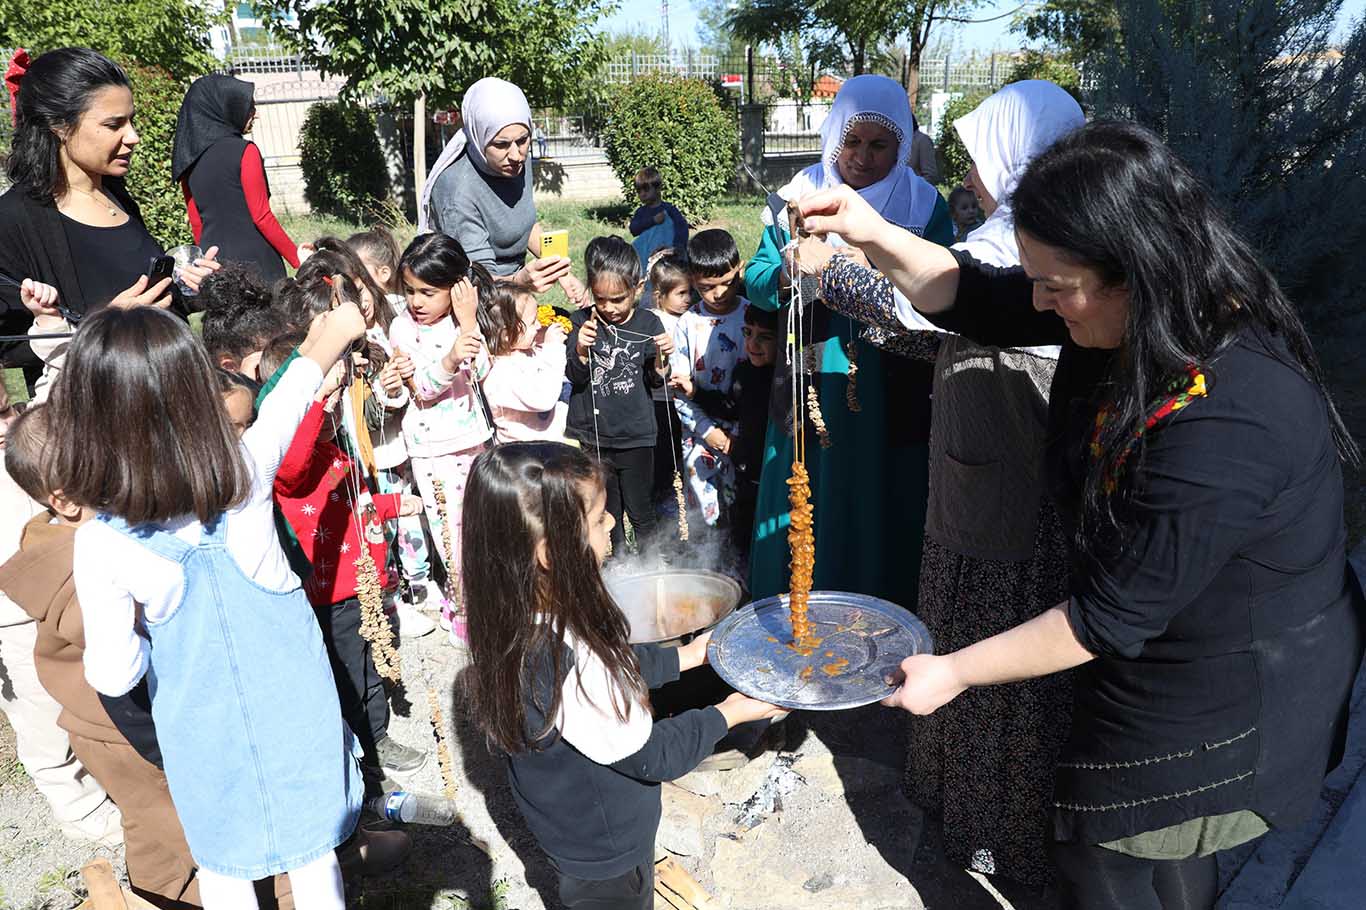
[(1180, 392)]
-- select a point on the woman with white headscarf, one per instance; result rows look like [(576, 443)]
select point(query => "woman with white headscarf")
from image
[(994, 552), (479, 190), (868, 488)]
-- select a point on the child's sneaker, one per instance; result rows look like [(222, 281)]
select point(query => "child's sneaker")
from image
[(103, 826), (396, 758), (411, 622)]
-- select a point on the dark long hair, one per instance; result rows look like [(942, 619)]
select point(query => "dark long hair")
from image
[(53, 95), (440, 260), (610, 255), (138, 428), (521, 495), (354, 269), (1116, 200), (499, 320), (379, 244)]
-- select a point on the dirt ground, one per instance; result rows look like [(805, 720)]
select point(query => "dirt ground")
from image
[(841, 833)]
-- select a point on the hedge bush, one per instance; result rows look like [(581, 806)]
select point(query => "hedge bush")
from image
[(677, 126), (157, 96), (344, 170), (954, 161)]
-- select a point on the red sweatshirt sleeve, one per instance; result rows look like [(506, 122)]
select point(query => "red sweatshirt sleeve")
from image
[(196, 223), (294, 466), (387, 505), (258, 203)]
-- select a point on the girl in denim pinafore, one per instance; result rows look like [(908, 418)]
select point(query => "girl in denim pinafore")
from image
[(182, 579), (231, 673)]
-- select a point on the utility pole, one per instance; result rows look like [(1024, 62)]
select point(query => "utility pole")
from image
[(664, 15)]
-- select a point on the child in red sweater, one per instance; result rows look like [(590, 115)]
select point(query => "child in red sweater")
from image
[(319, 492)]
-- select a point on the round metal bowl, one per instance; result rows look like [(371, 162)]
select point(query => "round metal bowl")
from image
[(862, 641), (663, 606)]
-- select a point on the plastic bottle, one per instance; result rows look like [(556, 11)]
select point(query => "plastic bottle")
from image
[(414, 808)]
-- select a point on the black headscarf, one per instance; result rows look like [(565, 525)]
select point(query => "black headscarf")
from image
[(216, 107)]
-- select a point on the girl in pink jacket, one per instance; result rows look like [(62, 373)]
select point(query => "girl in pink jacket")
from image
[(525, 385)]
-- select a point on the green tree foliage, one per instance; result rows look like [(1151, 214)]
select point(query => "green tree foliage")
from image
[(633, 41), (954, 161), (678, 126), (341, 160), (404, 48), (1085, 29), (1057, 68), (171, 34), (1254, 98), (843, 33), (157, 95)]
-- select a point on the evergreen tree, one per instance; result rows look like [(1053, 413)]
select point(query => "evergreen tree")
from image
[(1257, 99)]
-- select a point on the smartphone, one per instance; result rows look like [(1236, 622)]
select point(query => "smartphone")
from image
[(160, 268), (555, 243)]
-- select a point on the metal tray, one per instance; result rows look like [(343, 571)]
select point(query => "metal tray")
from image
[(863, 641), (663, 606)]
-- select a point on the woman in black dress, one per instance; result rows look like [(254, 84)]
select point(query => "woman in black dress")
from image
[(68, 221), (224, 178), (1196, 461)]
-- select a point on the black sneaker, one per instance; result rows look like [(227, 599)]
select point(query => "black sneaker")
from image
[(396, 758)]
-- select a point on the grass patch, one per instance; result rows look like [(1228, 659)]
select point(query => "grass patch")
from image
[(584, 220)]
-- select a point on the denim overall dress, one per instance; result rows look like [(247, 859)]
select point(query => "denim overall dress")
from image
[(264, 774)]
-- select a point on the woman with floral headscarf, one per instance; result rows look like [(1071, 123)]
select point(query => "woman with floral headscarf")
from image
[(227, 195), (994, 553), (479, 190), (868, 487)]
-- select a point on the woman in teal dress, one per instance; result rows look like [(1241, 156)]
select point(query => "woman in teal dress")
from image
[(869, 486)]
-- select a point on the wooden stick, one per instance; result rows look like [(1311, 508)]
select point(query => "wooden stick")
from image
[(681, 890)]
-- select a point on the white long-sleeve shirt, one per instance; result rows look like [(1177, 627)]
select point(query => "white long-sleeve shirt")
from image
[(113, 572)]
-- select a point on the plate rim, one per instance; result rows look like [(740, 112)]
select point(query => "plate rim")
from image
[(734, 617)]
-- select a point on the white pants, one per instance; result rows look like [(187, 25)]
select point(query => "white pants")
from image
[(42, 745), (317, 886)]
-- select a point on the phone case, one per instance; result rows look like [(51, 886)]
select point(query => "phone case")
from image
[(555, 243)]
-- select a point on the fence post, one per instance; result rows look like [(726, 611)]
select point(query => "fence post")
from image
[(749, 83), (752, 123)]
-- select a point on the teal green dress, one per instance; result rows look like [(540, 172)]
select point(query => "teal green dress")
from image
[(870, 486)]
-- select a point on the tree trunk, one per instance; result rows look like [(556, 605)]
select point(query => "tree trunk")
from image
[(860, 49), (419, 148)]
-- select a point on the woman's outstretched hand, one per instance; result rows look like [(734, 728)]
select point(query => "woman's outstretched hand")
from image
[(139, 294), (841, 211), (194, 274), (928, 682)]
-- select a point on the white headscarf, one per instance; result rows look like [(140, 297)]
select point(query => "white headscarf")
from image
[(489, 106), (902, 197), (1002, 135)]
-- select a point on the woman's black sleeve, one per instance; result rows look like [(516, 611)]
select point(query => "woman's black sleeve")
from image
[(995, 308)]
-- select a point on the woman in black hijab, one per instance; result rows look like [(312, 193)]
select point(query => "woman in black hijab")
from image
[(224, 178)]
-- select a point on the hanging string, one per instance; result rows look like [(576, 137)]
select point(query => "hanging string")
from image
[(593, 403), (801, 531)]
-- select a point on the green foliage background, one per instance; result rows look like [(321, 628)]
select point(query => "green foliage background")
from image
[(954, 161), (342, 163), (678, 126), (157, 96)]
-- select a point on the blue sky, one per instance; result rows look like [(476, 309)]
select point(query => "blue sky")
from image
[(645, 14)]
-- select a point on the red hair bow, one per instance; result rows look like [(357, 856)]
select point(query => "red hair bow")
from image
[(18, 65)]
